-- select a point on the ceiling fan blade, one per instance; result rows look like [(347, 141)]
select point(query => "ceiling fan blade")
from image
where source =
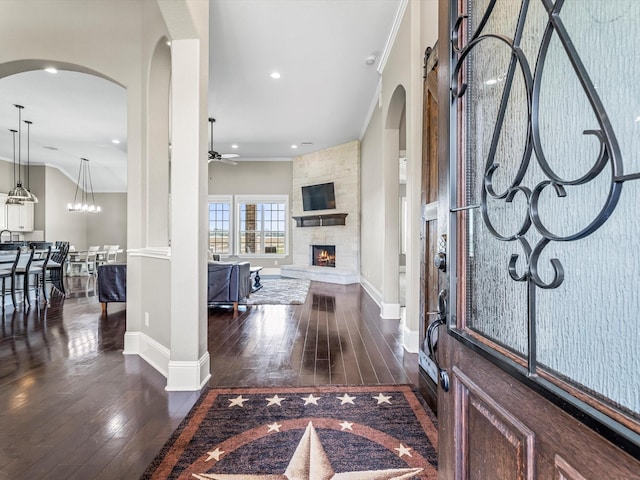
[(216, 156), (227, 161)]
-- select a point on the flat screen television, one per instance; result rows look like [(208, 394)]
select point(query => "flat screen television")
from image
[(318, 197)]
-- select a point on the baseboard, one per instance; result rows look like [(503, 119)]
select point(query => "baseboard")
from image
[(181, 376), (410, 340), (372, 291), (390, 310), (320, 274), (131, 343), (269, 271), (152, 352), (188, 376)]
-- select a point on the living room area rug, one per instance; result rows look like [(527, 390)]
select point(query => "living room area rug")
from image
[(305, 433), (279, 291)]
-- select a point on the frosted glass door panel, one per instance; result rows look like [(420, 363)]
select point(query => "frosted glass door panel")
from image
[(551, 153)]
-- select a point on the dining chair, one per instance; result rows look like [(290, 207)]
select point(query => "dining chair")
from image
[(9, 272), (103, 256), (85, 261), (56, 266), (39, 269), (112, 254), (71, 255), (40, 245)]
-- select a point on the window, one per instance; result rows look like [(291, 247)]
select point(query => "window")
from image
[(262, 225), (220, 239)]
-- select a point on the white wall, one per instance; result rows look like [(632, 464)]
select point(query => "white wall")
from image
[(54, 191), (110, 226), (372, 203), (254, 178), (60, 223), (417, 30), (250, 178)]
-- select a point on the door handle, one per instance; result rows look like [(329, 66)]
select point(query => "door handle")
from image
[(441, 319)]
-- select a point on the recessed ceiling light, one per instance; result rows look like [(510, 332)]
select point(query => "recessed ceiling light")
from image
[(50, 148), (306, 143), (115, 140), (234, 146), (51, 70), (168, 43), (294, 146), (275, 75), (491, 81)]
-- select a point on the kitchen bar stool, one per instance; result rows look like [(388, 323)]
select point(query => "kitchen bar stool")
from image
[(8, 270), (23, 270)]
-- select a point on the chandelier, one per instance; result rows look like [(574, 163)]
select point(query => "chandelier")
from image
[(19, 195), (80, 202)]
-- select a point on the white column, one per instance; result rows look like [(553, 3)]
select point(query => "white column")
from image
[(414, 184), (390, 307), (189, 359)]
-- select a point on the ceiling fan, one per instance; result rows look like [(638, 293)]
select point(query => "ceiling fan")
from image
[(216, 156)]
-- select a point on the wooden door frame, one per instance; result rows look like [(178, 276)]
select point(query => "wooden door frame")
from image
[(428, 225), (447, 460)]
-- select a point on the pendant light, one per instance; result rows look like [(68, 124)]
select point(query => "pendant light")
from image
[(33, 198), (81, 204), (19, 194), (12, 200)]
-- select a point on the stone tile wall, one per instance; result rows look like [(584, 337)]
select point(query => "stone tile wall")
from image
[(340, 165)]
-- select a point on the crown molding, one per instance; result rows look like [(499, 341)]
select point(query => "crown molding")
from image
[(402, 7)]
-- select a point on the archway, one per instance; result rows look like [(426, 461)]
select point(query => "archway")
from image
[(394, 142), (156, 200), (75, 113)]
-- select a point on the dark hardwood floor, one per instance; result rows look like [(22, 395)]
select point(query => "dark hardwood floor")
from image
[(73, 407)]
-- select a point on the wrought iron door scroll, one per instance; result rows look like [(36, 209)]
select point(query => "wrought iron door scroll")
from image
[(609, 154)]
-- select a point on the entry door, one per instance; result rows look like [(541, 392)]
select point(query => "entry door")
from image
[(431, 243), (539, 151)]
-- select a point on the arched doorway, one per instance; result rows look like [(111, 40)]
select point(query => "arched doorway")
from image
[(394, 143), (158, 144), (75, 113)]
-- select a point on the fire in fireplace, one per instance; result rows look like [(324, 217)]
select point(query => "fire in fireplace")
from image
[(323, 255)]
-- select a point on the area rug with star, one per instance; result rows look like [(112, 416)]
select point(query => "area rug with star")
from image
[(303, 433)]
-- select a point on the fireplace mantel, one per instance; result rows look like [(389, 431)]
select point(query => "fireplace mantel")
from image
[(326, 220)]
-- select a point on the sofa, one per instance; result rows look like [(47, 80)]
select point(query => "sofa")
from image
[(112, 284), (228, 282)]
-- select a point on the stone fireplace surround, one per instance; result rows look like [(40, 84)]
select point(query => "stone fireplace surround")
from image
[(341, 165)]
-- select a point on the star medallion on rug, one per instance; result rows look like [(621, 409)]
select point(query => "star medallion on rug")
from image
[(303, 433)]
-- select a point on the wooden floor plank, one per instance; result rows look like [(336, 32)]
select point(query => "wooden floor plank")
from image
[(74, 407)]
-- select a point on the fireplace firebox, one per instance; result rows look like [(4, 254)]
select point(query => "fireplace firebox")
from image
[(323, 255)]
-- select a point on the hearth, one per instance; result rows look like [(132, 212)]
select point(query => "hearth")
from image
[(323, 255)]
